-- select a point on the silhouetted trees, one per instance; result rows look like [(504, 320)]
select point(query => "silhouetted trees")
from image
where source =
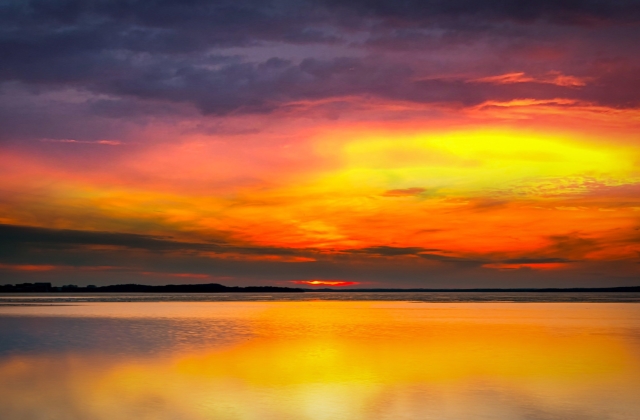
[(143, 288), (219, 288)]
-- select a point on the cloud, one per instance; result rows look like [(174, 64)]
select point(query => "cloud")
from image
[(529, 266), (579, 12), (99, 142), (178, 52), (536, 260), (404, 192), (159, 26), (390, 251), (459, 261), (267, 86), (13, 237), (16, 235), (27, 267), (553, 78), (180, 275), (572, 246)]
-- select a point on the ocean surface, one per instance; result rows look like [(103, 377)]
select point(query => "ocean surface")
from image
[(320, 356), (31, 298)]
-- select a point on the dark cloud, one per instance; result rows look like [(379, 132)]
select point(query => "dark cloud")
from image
[(278, 16), (391, 251), (16, 236), (145, 52), (159, 26), (564, 11), (571, 246), (15, 239), (458, 261), (275, 83)]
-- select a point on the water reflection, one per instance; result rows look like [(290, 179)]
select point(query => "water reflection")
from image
[(328, 360)]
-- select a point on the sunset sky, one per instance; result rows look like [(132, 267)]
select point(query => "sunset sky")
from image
[(359, 143)]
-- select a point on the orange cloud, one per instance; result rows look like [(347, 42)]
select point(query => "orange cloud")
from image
[(403, 192), (532, 266), (27, 267), (553, 78), (257, 257)]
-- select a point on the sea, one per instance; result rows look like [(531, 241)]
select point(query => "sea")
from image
[(320, 356)]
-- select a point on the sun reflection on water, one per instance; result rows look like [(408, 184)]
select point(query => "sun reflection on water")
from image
[(353, 360)]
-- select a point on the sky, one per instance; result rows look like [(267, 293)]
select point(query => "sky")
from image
[(364, 143)]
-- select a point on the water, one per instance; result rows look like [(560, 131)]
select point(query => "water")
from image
[(314, 296), (316, 359)]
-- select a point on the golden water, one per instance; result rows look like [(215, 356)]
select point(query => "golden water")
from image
[(321, 361)]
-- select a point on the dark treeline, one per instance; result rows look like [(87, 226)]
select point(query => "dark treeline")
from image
[(142, 288), (219, 288)]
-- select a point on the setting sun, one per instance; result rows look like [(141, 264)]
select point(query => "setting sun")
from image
[(337, 283)]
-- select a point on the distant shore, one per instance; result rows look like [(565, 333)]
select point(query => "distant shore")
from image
[(219, 288)]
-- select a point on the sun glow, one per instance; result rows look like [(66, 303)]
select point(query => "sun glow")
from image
[(475, 194), (337, 283)]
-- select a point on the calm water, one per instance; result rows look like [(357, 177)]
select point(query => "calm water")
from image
[(340, 296), (318, 360)]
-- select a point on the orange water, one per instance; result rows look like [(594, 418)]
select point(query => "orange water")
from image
[(325, 360)]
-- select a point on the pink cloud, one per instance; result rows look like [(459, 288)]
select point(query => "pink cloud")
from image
[(553, 78), (103, 142)]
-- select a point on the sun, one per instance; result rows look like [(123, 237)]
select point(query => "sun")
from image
[(336, 283)]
